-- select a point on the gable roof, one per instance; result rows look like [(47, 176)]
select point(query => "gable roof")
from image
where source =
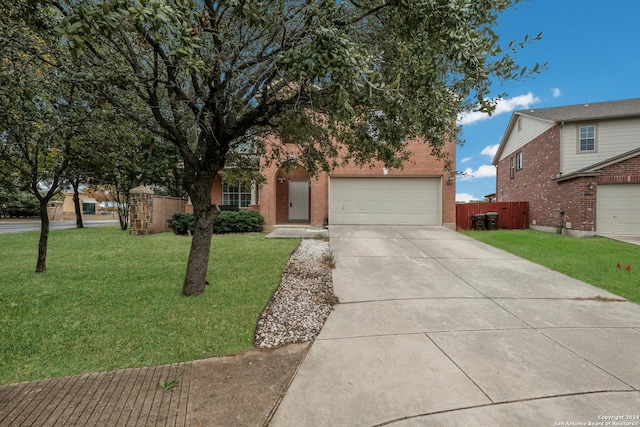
[(572, 113), (587, 111)]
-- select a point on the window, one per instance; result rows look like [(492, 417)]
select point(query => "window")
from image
[(519, 124), (512, 169), (519, 161), (89, 208), (587, 139), (247, 146), (239, 196)]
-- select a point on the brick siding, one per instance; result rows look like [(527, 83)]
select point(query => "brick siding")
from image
[(273, 193), (579, 204), (534, 182), (623, 172)]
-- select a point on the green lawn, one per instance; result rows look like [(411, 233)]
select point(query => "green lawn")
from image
[(111, 300), (591, 259)]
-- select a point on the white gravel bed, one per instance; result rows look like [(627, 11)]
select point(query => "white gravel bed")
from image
[(301, 304)]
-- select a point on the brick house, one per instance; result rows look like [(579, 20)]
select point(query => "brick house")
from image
[(578, 166), (422, 193)]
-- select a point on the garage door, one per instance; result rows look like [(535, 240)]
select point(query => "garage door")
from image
[(385, 200), (618, 209)]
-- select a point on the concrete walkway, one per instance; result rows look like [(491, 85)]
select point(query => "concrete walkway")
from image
[(297, 232), (434, 328)]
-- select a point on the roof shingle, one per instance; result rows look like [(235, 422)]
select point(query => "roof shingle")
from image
[(587, 111)]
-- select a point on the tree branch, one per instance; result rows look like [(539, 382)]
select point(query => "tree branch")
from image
[(363, 15)]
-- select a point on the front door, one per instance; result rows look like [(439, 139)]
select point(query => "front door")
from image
[(298, 200)]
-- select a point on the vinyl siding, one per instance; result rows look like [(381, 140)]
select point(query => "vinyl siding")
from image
[(613, 137), (530, 129)]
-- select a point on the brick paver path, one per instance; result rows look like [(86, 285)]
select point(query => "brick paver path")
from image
[(120, 398)]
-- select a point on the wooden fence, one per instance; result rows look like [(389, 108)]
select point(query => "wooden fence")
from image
[(511, 215)]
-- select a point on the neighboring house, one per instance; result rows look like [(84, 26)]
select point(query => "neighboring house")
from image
[(422, 193), (578, 166), (89, 205)]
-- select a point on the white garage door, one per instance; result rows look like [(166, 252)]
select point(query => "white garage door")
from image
[(385, 200), (618, 209)]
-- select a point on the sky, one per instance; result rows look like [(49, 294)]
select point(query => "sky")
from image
[(592, 51)]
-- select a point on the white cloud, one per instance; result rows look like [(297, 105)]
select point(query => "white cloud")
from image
[(465, 197), (502, 106), (556, 92), (484, 171), (490, 150), (465, 160)]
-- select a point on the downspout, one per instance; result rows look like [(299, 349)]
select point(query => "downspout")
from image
[(560, 169)]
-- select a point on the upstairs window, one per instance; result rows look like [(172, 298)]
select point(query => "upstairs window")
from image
[(512, 168), (587, 139), (519, 161)]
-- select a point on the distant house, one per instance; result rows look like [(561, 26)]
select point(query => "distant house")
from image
[(578, 166), (422, 193), (89, 205), (490, 197)]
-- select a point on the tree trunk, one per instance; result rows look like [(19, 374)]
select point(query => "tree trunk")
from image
[(41, 265), (205, 215), (123, 216), (123, 210), (76, 203)]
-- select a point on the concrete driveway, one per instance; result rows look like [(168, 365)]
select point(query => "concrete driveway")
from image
[(434, 328), (634, 240)]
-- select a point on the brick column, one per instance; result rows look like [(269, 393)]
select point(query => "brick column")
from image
[(140, 210)]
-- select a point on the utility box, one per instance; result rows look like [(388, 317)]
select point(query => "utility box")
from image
[(491, 220), (478, 222)]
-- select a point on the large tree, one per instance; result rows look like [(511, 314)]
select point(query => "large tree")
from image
[(342, 79), (14, 200)]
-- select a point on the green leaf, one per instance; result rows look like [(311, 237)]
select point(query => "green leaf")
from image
[(168, 385)]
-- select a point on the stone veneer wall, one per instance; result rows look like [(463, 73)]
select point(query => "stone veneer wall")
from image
[(140, 211)]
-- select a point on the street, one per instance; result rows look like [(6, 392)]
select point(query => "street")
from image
[(34, 225)]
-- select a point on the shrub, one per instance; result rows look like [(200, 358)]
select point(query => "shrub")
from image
[(238, 222), (226, 222), (181, 223)]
